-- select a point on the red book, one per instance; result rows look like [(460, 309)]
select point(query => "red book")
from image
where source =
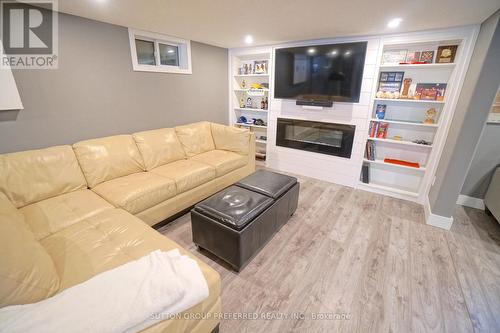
[(400, 162)]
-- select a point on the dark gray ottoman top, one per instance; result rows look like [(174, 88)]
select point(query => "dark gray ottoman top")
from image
[(269, 183), (234, 206)]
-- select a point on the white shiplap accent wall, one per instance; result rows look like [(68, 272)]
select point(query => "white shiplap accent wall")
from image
[(330, 168)]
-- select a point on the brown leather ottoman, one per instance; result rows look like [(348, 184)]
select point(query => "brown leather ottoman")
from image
[(235, 223)]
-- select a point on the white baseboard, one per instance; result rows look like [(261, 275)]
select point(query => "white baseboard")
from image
[(472, 202), (434, 220)]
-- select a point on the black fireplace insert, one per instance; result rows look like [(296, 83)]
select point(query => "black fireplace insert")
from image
[(315, 136)]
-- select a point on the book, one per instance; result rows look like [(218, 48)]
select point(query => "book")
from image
[(373, 129), (382, 130), (380, 111)]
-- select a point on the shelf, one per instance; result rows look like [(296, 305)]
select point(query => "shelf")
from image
[(256, 90), (401, 100), (390, 188), (418, 66), (381, 162), (250, 125), (261, 141), (250, 109), (403, 122), (251, 75), (408, 143)]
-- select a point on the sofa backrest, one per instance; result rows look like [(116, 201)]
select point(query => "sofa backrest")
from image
[(159, 147), (195, 138), (31, 176), (231, 138), (108, 158), (27, 272)]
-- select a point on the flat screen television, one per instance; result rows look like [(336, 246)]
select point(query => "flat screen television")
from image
[(332, 72)]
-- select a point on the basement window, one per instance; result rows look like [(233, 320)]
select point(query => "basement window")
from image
[(152, 52)]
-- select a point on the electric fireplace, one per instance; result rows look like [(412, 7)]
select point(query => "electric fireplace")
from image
[(314, 136)]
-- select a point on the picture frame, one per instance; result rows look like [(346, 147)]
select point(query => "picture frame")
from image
[(390, 81), (393, 56), (413, 57), (494, 116), (260, 66), (446, 54), (430, 91), (427, 57)]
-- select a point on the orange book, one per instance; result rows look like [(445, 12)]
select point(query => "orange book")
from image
[(400, 162)]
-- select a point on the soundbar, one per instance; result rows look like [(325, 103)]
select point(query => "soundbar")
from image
[(310, 102)]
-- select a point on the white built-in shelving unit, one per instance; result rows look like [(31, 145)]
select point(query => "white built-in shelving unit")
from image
[(240, 91), (405, 119)]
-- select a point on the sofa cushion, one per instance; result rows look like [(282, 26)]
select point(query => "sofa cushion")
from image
[(30, 176), (137, 192), (231, 138), (195, 138), (108, 158), (159, 147), (187, 174), (27, 273), (107, 240), (224, 161), (49, 216)]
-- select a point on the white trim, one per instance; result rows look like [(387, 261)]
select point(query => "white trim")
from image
[(465, 200), (434, 220), (184, 52)]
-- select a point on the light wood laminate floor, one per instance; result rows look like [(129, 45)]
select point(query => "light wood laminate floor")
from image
[(369, 264)]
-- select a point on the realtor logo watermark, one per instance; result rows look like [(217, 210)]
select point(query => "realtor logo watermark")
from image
[(29, 34)]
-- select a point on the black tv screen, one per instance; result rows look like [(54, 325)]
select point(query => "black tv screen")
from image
[(320, 72)]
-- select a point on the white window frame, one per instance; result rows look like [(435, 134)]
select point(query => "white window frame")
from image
[(183, 52)]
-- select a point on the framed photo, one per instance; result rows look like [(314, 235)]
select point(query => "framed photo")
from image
[(393, 57), (427, 57), (430, 91), (390, 81), (446, 54), (412, 57), (260, 66)]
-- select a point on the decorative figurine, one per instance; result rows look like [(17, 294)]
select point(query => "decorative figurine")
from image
[(429, 116), (243, 84), (262, 104), (242, 103), (249, 103)]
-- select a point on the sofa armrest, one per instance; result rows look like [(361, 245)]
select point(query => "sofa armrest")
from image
[(492, 197), (232, 138)]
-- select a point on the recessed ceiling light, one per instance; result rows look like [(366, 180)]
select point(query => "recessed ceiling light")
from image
[(170, 51), (312, 50), (334, 52), (248, 39), (394, 23), (347, 53)]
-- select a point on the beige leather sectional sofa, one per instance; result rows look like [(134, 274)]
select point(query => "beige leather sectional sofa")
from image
[(68, 213)]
